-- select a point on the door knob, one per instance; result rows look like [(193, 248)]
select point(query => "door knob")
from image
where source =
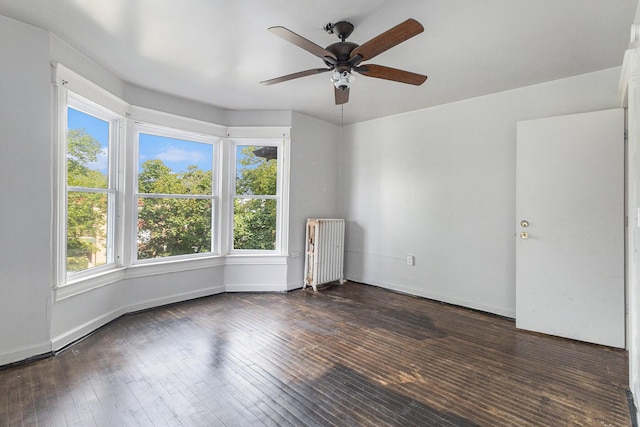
[(524, 235), (524, 223)]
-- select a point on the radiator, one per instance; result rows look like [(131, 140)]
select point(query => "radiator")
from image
[(324, 260)]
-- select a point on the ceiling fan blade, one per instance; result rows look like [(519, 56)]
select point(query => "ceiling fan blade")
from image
[(388, 73), (388, 39), (342, 95), (295, 76), (303, 43)]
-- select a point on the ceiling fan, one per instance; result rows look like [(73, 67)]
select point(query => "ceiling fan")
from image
[(343, 57)]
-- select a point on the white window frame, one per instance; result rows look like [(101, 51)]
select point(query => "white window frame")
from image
[(279, 197), (67, 99), (214, 197)]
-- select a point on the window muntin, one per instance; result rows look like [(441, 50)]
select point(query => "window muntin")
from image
[(175, 196), (256, 197), (90, 187)]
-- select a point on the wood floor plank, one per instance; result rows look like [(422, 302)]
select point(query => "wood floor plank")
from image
[(347, 355)]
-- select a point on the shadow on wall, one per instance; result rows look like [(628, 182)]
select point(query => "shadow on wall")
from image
[(353, 253)]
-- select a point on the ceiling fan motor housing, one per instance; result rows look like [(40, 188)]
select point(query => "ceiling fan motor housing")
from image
[(342, 52)]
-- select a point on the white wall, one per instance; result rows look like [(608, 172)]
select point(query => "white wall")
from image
[(25, 190), (439, 184), (313, 185)]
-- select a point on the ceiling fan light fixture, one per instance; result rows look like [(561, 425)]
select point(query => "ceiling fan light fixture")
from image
[(342, 80)]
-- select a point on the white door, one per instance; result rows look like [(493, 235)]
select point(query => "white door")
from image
[(570, 225)]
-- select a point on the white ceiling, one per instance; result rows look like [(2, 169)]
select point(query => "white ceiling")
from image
[(217, 51)]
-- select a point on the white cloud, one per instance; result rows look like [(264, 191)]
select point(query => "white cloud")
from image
[(102, 163), (179, 155)]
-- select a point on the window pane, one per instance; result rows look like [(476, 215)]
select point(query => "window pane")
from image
[(256, 170), (86, 230), (173, 166), (254, 224), (87, 150), (168, 227)]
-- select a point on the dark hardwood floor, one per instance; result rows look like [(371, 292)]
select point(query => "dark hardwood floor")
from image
[(349, 355)]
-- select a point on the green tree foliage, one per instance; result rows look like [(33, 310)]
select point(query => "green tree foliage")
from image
[(86, 212), (254, 220), (173, 226), (167, 225)]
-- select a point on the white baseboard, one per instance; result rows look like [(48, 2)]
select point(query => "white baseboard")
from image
[(500, 311), (86, 328), (184, 296), (67, 337), (295, 285), (243, 287), (23, 353)]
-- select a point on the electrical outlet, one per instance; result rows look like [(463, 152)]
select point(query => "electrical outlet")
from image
[(410, 260)]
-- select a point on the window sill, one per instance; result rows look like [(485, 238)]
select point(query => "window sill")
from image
[(172, 266), (86, 284), (89, 283)]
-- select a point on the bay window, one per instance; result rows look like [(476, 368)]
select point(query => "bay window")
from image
[(131, 192)]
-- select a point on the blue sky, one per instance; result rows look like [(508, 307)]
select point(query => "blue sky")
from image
[(176, 153), (95, 127)]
